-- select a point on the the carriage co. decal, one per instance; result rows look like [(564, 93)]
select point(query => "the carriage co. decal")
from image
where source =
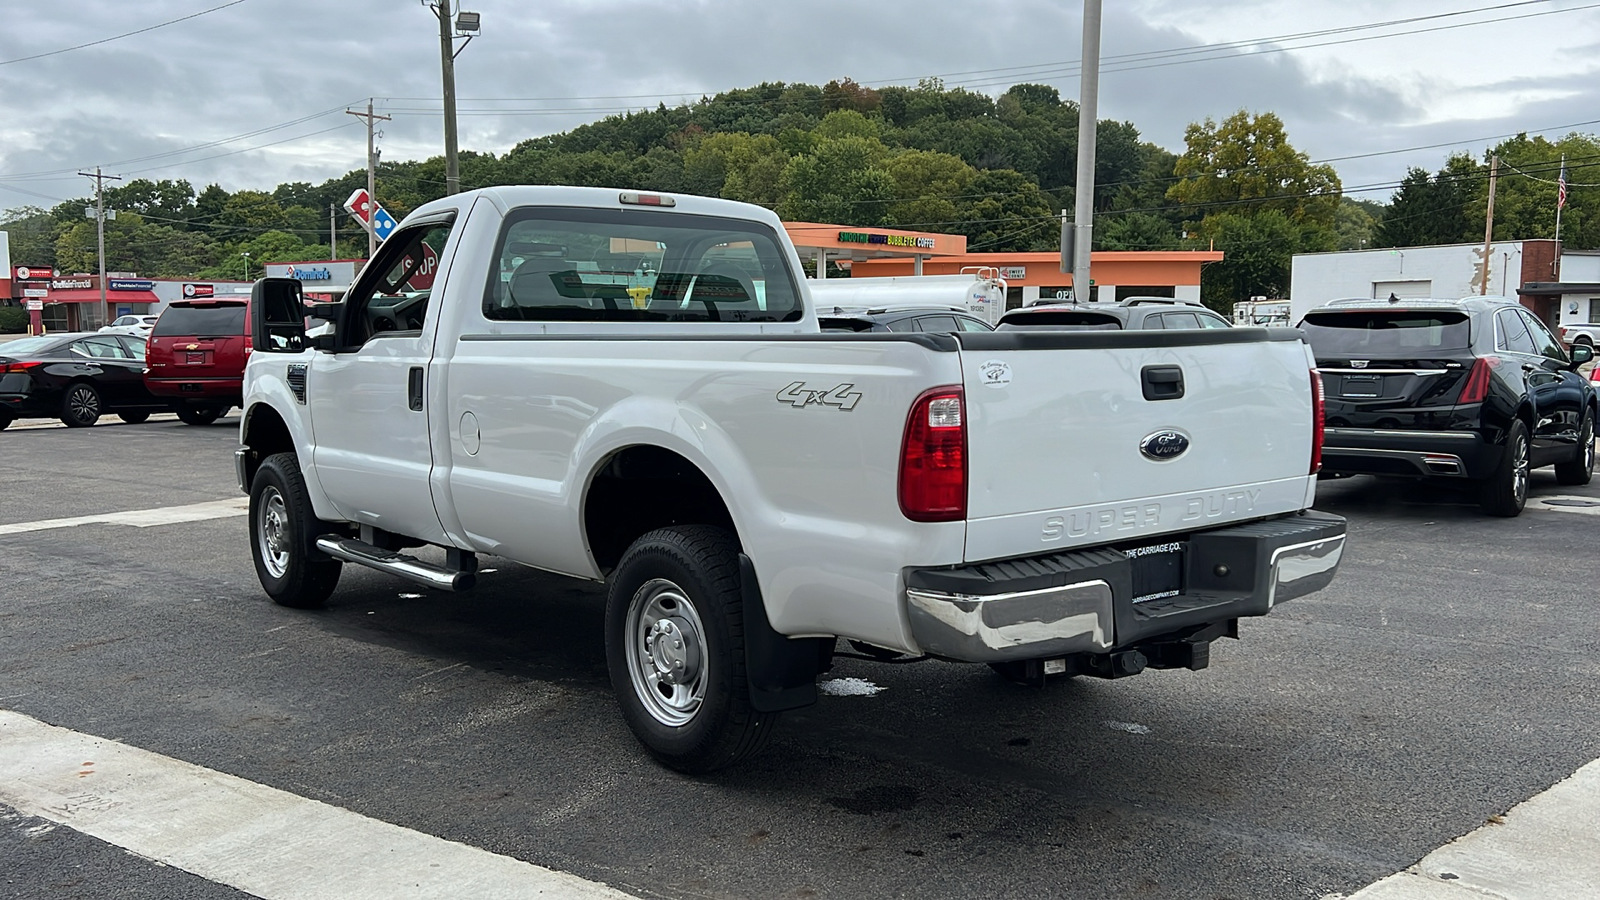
[(995, 373), (799, 396)]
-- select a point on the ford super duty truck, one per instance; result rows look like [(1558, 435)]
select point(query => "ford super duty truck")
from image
[(632, 389)]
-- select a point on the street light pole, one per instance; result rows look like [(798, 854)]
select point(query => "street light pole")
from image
[(1088, 111), (246, 255), (447, 64)]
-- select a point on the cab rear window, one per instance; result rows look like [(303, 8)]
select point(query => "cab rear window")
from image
[(220, 320), (1385, 333)]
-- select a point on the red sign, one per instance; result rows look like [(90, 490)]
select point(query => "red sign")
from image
[(422, 278), (199, 290), (32, 273), (360, 205)]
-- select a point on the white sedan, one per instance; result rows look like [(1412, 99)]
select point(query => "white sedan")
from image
[(138, 326)]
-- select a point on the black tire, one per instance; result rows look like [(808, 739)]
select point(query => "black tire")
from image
[(1583, 339), (681, 585), (133, 418), (1506, 491), (81, 407), (1580, 468), (199, 415), (283, 532)]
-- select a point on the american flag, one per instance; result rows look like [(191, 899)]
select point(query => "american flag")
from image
[(1561, 186)]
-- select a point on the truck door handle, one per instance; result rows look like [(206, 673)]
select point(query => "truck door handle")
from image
[(1161, 382), (414, 389)]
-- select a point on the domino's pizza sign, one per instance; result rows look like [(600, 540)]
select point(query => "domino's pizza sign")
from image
[(370, 214)]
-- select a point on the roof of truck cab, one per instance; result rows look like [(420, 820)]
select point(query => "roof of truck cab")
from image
[(508, 197)]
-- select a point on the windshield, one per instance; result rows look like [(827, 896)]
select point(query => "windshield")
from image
[(638, 266), (224, 319), (1060, 320), (1386, 334), (27, 345)]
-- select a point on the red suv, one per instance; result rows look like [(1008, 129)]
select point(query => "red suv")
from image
[(196, 357)]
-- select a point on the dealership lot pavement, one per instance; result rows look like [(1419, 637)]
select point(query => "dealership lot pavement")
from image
[(1451, 673)]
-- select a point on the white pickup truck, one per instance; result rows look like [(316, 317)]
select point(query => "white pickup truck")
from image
[(632, 389)]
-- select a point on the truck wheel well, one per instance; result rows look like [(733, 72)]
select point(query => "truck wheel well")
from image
[(640, 489), (265, 434)]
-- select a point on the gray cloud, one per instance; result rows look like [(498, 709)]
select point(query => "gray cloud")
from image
[(266, 62)]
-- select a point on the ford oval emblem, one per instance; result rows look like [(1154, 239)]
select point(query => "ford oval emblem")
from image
[(1164, 445)]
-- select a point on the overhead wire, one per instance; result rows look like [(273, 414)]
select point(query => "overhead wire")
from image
[(118, 37)]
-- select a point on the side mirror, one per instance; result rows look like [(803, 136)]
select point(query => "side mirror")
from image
[(277, 316), (1581, 354)]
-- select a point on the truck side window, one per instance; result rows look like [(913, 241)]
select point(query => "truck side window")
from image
[(612, 265), (392, 298)]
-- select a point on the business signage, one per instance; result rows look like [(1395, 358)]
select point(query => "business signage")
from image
[(1013, 271), (199, 290), (32, 273), (309, 273), (129, 284), (71, 284), (35, 292), (370, 213), (890, 240), (35, 305)]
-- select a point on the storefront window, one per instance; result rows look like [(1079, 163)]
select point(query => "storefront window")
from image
[(55, 318)]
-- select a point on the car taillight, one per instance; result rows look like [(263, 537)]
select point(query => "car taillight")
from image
[(1477, 386), (933, 459), (248, 344), (18, 367), (1319, 421)]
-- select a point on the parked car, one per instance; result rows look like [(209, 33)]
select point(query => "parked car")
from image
[(1575, 333), (197, 354), (1475, 390), (76, 378), (138, 326), (939, 319), (1132, 314)]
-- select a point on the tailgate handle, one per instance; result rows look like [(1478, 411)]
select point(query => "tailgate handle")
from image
[(1161, 382), (414, 389)]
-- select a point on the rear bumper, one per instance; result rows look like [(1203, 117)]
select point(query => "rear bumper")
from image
[(210, 390), (1082, 602), (1424, 454)]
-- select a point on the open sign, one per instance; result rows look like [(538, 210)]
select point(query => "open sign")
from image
[(422, 278)]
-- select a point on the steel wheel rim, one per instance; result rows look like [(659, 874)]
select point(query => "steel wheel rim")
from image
[(84, 404), (1519, 469), (667, 659), (272, 537), (1588, 443)]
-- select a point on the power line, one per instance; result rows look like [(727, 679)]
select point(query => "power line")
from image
[(119, 37)]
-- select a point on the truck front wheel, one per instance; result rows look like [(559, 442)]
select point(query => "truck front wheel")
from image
[(675, 649), (283, 532)]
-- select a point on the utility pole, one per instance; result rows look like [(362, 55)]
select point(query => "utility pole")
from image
[(447, 63), (333, 232), (1088, 110), (372, 168), (100, 232), (1488, 226)]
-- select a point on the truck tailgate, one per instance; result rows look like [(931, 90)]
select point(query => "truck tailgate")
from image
[(1074, 438)]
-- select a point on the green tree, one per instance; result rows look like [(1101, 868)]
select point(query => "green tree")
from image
[(1135, 231), (839, 181), (1434, 209), (1247, 163)]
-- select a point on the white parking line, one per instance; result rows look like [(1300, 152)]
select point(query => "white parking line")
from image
[(36, 424), (1546, 848), (142, 518), (258, 839)]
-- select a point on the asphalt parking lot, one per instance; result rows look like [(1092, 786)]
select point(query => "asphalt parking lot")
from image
[(1451, 672)]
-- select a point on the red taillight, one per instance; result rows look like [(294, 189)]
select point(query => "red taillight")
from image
[(933, 459), (1319, 421), (1477, 386), (18, 367)]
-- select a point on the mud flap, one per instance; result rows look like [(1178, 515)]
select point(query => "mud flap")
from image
[(782, 671)]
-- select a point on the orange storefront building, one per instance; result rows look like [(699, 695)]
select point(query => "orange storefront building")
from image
[(881, 252)]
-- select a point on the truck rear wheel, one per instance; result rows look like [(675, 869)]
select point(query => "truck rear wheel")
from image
[(675, 649), (283, 532)]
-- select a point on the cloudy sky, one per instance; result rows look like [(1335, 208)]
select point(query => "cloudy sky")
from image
[(253, 94)]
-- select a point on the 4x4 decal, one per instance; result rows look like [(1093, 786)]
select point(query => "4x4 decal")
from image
[(799, 396)]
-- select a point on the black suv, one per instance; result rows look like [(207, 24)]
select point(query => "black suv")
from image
[(944, 320), (1473, 390), (1132, 314)]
